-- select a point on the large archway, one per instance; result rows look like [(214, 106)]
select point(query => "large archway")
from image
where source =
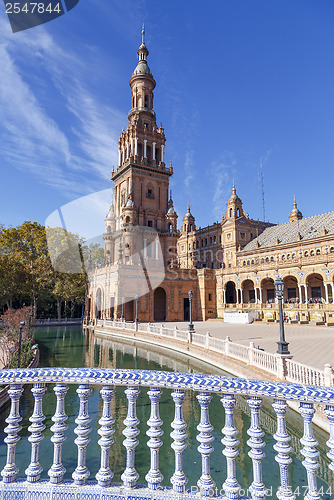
[(248, 292), (98, 304), (230, 293), (315, 288), (159, 304)]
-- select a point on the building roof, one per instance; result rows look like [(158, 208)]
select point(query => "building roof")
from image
[(309, 228)]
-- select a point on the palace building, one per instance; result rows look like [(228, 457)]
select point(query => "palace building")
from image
[(150, 265)]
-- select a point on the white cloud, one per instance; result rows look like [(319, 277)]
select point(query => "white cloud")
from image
[(222, 175), (55, 147)]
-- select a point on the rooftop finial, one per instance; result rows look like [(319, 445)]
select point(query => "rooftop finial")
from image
[(143, 35), (188, 209), (233, 188)]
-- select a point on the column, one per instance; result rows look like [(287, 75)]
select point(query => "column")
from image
[(237, 294), (306, 295), (131, 146), (127, 150), (261, 301), (241, 295), (145, 143), (163, 153), (224, 296), (326, 292), (300, 293), (153, 150), (119, 157), (123, 153), (136, 146)]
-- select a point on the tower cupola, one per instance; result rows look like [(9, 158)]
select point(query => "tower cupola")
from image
[(295, 213), (188, 222), (234, 206)]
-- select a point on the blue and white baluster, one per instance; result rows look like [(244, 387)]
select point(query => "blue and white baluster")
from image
[(309, 451), (104, 475), (283, 449), (205, 483), (34, 471), (81, 473), (130, 475), (257, 488), (231, 451), (178, 479), (13, 420), (330, 443), (59, 427), (154, 476)]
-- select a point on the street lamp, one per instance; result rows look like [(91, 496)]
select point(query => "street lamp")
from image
[(282, 345), (191, 326), (137, 300), (22, 323), (122, 317)]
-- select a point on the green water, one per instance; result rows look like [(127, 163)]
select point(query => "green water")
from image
[(70, 347)]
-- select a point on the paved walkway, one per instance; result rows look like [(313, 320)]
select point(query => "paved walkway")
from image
[(311, 345)]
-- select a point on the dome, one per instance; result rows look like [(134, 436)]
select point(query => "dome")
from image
[(295, 213), (142, 69)]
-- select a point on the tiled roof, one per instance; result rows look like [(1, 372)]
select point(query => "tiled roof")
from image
[(309, 228)]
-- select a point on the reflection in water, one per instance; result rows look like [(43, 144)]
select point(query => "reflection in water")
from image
[(69, 347)]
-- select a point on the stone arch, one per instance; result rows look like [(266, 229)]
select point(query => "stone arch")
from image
[(160, 304), (98, 303), (291, 293), (248, 291), (315, 287), (268, 290), (231, 292)]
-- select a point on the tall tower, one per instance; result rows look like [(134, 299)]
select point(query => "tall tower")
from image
[(141, 180)]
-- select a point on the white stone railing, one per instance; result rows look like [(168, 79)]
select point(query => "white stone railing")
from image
[(133, 381), (283, 368)]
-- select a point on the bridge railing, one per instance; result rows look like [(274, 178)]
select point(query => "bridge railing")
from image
[(133, 381), (282, 367)]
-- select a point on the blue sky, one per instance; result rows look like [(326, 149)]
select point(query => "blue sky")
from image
[(238, 83)]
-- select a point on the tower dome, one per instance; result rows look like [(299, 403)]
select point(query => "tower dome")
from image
[(295, 213)]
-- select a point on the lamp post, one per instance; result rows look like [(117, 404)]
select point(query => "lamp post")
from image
[(191, 326), (282, 344), (22, 323), (137, 300), (122, 317)]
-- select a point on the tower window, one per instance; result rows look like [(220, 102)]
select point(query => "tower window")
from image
[(231, 212), (145, 101), (150, 223)]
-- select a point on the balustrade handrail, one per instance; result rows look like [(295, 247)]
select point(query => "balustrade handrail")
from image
[(283, 368), (148, 378), (132, 380)]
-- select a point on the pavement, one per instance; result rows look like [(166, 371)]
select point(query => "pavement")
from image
[(310, 345)]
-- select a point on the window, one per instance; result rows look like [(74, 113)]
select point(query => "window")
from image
[(267, 259), (293, 255), (212, 265), (244, 263), (206, 241), (270, 295), (312, 253), (220, 239), (238, 212), (210, 240), (150, 223), (242, 235), (252, 261), (248, 262), (210, 297), (197, 244), (230, 212), (214, 239), (288, 256), (271, 259), (318, 251), (306, 254), (150, 194), (332, 250), (262, 261), (283, 257), (251, 236), (202, 243)]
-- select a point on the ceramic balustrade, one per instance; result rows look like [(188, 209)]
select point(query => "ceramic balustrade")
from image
[(134, 381), (295, 372)]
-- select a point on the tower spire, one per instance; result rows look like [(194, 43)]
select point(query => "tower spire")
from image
[(143, 35)]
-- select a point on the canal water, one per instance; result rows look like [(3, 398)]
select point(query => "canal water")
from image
[(70, 347)]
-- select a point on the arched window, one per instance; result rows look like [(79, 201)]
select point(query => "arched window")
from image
[(231, 212), (145, 101), (252, 261), (306, 254), (288, 256), (283, 257), (271, 259), (318, 251), (244, 263), (238, 212), (190, 227), (312, 253), (248, 262), (267, 259), (332, 250), (262, 261), (293, 255)]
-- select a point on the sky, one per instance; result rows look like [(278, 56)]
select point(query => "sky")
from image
[(240, 84)]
